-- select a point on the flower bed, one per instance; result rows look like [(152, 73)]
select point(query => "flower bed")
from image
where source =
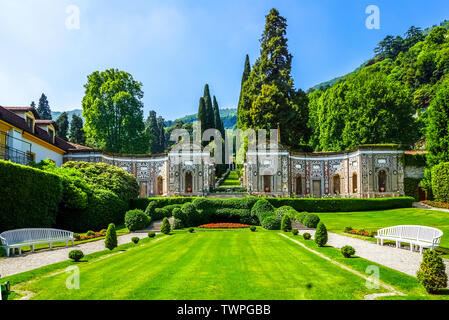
[(79, 237), (360, 232), (435, 204), (224, 226)]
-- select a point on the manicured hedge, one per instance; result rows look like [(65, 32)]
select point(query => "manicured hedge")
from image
[(265, 212), (342, 204), (411, 187), (440, 182), (29, 197), (157, 203)]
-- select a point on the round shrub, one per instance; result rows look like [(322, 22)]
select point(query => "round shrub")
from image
[(191, 230), (261, 207), (307, 236), (271, 223), (135, 240), (282, 211), (321, 235), (76, 255), (151, 234), (177, 224), (136, 220), (286, 224), (253, 228), (432, 272), (166, 227), (311, 220), (90, 233), (295, 232), (347, 251), (110, 241)]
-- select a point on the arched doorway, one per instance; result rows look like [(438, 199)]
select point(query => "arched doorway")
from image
[(143, 190), (267, 183), (354, 183), (382, 181), (189, 182), (336, 184), (299, 185), (160, 185)]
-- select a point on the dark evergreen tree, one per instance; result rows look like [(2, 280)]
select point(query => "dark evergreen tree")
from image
[(268, 96), (161, 134), (76, 130), (152, 129), (63, 126), (33, 104), (202, 115), (43, 108), (210, 122), (218, 123), (245, 76)]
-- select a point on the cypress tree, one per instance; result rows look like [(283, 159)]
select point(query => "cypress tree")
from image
[(161, 134), (218, 124), (33, 104), (321, 235), (63, 125), (152, 129), (245, 76), (209, 109), (76, 130), (43, 108), (202, 115)]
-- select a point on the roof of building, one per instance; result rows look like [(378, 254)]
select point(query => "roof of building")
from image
[(46, 123), (8, 115)]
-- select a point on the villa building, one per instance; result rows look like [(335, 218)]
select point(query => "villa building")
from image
[(25, 138)]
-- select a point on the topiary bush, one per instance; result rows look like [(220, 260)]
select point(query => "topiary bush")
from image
[(271, 223), (135, 240), (295, 232), (177, 224), (311, 220), (282, 211), (76, 255), (166, 227), (136, 220), (191, 230), (440, 182), (253, 228), (347, 251), (307, 236), (151, 234), (110, 241), (286, 224), (432, 272), (321, 235)]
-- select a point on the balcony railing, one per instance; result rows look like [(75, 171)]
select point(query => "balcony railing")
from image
[(9, 153)]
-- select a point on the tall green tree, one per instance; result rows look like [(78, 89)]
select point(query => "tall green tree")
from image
[(268, 96), (210, 121), (245, 76), (161, 134), (438, 126), (202, 115), (218, 123), (77, 134), (33, 104), (113, 110), (63, 126), (152, 130), (43, 108)]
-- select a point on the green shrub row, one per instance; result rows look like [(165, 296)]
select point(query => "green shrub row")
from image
[(266, 214), (29, 197), (411, 187)]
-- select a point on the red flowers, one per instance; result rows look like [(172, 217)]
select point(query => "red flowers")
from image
[(435, 204), (224, 226)]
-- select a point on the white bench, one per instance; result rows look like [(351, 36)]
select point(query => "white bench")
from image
[(420, 236), (30, 237)]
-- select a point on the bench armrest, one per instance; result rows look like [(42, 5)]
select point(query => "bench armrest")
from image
[(3, 241)]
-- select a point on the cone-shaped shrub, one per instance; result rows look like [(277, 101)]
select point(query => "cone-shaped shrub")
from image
[(165, 227), (432, 274), (110, 241), (286, 224), (321, 235)]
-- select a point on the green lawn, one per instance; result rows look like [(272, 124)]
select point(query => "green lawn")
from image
[(207, 265), (373, 220)]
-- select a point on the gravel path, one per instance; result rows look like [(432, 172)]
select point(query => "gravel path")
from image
[(30, 261), (399, 259)]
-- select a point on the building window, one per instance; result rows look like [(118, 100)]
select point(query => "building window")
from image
[(51, 133), (30, 123), (354, 183), (299, 185)]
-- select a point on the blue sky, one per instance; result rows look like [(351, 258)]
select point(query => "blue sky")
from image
[(175, 47)]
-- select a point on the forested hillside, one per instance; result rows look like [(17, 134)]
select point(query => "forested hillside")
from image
[(387, 100)]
